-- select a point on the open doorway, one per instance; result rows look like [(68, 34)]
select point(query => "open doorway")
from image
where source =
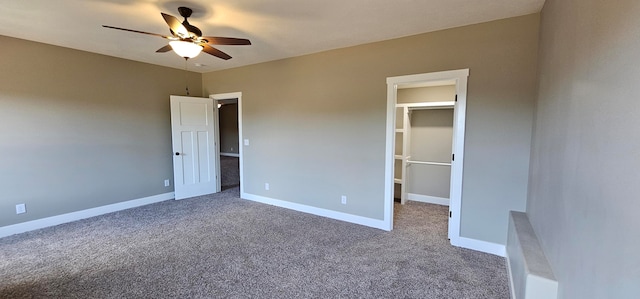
[(229, 143), (424, 142), (457, 79), (228, 136)]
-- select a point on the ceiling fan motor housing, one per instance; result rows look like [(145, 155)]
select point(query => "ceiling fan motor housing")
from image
[(186, 12)]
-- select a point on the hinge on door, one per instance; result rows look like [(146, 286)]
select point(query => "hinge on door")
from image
[(456, 98), (449, 214), (453, 157)]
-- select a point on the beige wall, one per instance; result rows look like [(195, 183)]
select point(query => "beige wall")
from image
[(81, 130), (316, 123), (583, 202), (229, 128)]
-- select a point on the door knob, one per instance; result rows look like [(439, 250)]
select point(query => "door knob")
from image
[(177, 154)]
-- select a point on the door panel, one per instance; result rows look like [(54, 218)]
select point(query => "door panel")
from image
[(193, 114), (204, 154), (193, 128)]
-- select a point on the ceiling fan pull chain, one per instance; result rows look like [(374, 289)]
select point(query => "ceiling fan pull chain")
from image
[(186, 75)]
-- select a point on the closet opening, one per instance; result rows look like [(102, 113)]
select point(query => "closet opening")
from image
[(227, 114), (229, 143), (425, 142)]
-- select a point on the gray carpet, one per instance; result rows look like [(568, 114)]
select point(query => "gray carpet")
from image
[(220, 246)]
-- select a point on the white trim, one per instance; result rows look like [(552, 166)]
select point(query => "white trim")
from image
[(510, 274), (216, 148), (226, 96), (428, 199), (78, 215), (238, 96), (459, 118), (459, 78), (478, 245), (230, 154), (389, 154), (406, 151), (375, 223)]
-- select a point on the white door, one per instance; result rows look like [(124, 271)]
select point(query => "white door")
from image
[(192, 135)]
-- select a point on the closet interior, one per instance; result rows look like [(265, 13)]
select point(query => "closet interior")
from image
[(423, 143)]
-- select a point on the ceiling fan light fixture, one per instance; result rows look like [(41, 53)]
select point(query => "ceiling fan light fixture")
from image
[(185, 49), (186, 40)]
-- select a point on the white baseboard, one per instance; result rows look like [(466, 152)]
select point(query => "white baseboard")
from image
[(230, 155), (478, 245), (473, 244), (428, 199), (74, 216), (510, 274), (370, 222)]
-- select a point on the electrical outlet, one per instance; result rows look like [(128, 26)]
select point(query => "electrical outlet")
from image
[(266, 186), (344, 199), (167, 183), (21, 208)]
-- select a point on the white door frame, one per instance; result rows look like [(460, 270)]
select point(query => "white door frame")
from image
[(227, 96), (459, 77)]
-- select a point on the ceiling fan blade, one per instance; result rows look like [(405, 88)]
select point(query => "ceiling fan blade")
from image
[(175, 25), (215, 52), (136, 31), (215, 40), (166, 48)]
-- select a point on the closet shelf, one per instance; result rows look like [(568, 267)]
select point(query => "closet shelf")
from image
[(428, 163), (428, 105)]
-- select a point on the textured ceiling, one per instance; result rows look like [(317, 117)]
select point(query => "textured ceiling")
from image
[(277, 28)]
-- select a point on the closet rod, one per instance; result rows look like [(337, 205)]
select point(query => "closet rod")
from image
[(429, 163)]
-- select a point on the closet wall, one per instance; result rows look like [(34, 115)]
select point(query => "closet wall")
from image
[(426, 94), (228, 114), (429, 139)]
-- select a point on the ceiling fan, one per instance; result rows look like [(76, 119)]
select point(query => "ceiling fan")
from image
[(186, 40)]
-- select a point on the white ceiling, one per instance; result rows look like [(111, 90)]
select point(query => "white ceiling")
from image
[(277, 28)]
